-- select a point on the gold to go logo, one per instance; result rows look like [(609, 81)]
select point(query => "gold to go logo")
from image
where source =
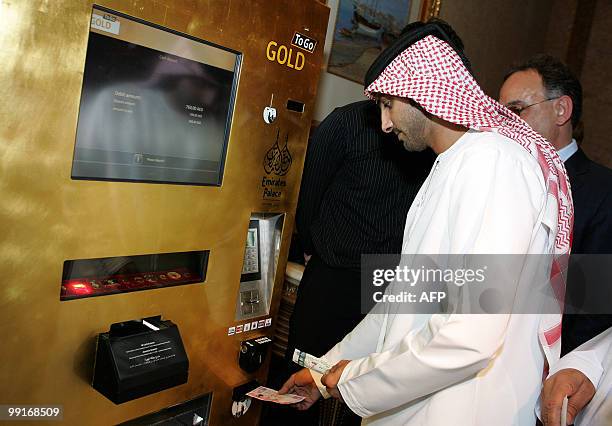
[(285, 55)]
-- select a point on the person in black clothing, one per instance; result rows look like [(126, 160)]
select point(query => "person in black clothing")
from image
[(548, 97), (357, 187)]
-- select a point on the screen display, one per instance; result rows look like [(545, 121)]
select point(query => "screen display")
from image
[(251, 262), (156, 106)]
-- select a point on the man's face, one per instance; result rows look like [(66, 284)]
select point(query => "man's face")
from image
[(524, 88), (406, 121)]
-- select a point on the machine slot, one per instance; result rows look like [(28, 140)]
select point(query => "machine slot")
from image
[(110, 275), (194, 412)]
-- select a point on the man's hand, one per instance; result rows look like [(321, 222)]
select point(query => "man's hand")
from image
[(331, 378), (302, 383), (572, 383)]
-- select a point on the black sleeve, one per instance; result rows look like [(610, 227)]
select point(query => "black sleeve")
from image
[(324, 156), (597, 236)]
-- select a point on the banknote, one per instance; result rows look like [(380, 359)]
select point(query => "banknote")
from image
[(270, 395), (311, 362)]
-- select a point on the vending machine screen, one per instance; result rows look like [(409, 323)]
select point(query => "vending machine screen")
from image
[(156, 105)]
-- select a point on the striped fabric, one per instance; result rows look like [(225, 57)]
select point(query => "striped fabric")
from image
[(357, 187), (431, 73)]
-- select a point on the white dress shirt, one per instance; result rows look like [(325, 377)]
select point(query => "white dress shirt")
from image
[(568, 150)]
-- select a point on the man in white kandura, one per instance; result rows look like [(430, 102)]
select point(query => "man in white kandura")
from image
[(497, 187)]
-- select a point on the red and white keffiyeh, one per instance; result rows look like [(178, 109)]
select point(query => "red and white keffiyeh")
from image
[(431, 73)]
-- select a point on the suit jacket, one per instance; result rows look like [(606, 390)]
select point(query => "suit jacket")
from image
[(592, 193)]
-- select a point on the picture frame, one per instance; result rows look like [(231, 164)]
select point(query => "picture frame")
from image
[(364, 28)]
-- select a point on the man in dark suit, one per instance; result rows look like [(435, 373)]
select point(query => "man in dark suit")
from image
[(545, 94)]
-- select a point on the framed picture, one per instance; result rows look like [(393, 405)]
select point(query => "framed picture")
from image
[(364, 28)]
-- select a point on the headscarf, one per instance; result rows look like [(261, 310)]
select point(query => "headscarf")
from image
[(431, 73)]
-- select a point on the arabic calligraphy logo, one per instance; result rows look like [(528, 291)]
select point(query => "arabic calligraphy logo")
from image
[(278, 161)]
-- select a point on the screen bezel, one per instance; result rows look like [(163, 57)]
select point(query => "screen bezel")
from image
[(228, 122)]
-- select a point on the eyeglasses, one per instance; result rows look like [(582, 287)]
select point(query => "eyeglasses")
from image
[(518, 110)]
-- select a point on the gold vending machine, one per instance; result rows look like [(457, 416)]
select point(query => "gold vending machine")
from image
[(152, 152)]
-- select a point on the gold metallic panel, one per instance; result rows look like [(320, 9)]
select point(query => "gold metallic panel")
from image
[(46, 217)]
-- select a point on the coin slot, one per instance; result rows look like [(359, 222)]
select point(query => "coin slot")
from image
[(295, 106)]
